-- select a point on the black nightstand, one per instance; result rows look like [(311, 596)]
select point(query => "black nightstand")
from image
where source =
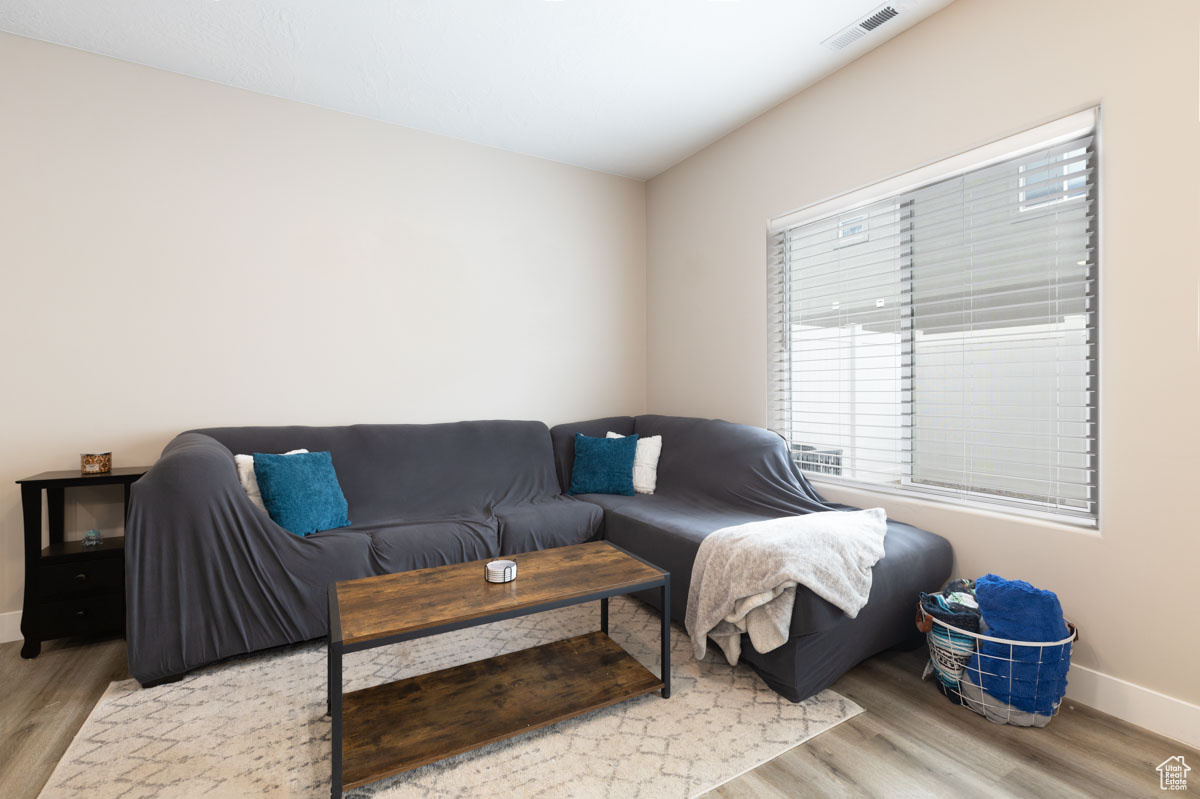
[(70, 589)]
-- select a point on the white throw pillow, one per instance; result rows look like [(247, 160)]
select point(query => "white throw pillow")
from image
[(645, 462), (245, 469)]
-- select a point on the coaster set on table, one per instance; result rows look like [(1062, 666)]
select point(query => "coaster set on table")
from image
[(500, 571)]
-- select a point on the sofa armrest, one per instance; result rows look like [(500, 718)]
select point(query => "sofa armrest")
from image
[(193, 471), (208, 573)]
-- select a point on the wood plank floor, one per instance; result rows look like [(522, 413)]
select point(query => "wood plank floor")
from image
[(43, 703), (910, 742)]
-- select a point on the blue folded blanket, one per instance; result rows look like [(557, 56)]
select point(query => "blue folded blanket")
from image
[(1029, 678)]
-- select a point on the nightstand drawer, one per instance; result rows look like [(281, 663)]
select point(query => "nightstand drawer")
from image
[(84, 615), (82, 577)]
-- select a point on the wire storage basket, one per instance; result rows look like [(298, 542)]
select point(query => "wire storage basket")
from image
[(1008, 682)]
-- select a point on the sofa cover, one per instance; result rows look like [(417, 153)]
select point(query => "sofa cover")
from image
[(210, 575), (715, 474)]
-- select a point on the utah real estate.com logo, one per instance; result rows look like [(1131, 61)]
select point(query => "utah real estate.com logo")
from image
[(1172, 774)]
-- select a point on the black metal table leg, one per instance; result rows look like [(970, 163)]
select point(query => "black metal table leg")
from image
[(335, 713), (666, 636), (604, 615)]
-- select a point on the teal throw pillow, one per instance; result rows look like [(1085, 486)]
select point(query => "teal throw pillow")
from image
[(301, 491), (603, 465)]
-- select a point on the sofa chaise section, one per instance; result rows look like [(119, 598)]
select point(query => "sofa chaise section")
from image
[(714, 474), (210, 575)]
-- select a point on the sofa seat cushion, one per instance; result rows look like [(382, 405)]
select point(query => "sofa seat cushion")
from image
[(667, 531), (544, 524), (400, 544)]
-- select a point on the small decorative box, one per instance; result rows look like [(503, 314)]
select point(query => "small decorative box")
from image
[(95, 462)]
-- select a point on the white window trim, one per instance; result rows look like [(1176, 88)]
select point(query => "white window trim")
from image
[(880, 494)]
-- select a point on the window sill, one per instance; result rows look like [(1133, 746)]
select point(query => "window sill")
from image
[(897, 502)]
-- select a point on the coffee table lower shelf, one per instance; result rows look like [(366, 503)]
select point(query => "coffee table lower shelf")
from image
[(392, 728)]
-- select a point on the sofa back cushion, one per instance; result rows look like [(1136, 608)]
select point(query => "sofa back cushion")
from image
[(716, 463), (420, 471)]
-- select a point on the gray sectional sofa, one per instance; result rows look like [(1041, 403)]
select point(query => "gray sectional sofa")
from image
[(209, 575)]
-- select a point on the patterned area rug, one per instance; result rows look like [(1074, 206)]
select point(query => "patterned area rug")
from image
[(256, 726)]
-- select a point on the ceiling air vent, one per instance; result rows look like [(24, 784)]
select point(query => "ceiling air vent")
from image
[(849, 35)]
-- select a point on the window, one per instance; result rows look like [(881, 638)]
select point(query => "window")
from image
[(1057, 178), (852, 229), (951, 352)]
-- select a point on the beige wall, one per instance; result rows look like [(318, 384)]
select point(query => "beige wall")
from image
[(177, 253), (974, 72)]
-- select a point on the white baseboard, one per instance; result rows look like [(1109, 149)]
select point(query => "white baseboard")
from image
[(1144, 707), (10, 626)]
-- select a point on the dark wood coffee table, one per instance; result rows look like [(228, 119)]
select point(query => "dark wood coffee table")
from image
[(391, 728)]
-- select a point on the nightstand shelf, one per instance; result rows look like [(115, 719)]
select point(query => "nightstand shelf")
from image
[(67, 551), (70, 589)]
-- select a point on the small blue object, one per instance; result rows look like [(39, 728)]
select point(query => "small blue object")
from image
[(301, 491), (603, 465), (92, 538)]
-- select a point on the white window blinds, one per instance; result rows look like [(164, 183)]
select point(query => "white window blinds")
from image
[(943, 339)]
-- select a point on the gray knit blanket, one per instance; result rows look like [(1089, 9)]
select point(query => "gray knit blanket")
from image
[(744, 578)]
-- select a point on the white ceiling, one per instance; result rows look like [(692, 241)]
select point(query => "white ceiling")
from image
[(623, 86)]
